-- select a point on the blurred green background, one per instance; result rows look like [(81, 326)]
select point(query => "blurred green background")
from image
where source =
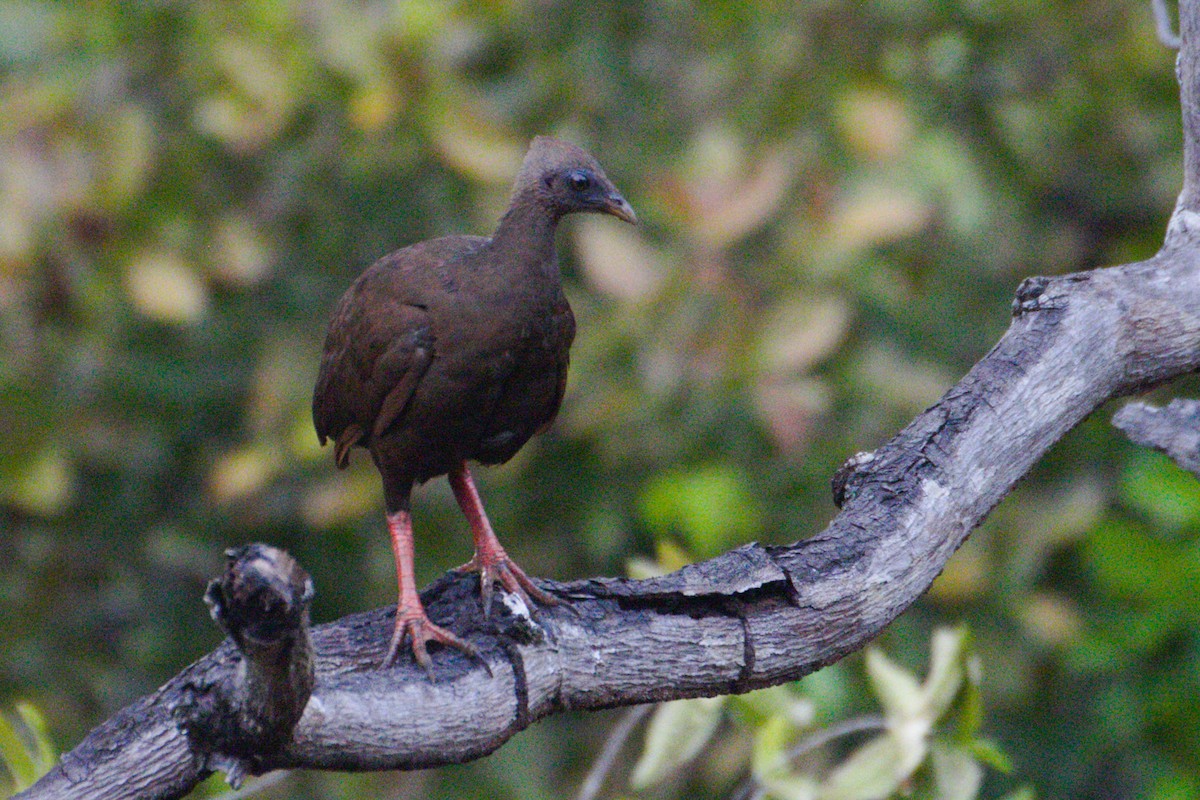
[(838, 200)]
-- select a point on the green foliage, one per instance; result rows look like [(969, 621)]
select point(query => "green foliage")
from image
[(926, 742), (712, 508), (26, 751), (677, 732), (837, 202)]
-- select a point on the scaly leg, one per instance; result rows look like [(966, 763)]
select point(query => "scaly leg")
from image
[(411, 619), (490, 559)]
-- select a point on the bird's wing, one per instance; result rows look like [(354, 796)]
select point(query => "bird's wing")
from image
[(566, 320), (381, 341), (402, 367), (376, 351)]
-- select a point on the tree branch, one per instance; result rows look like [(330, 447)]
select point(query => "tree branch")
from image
[(1174, 430), (754, 617)]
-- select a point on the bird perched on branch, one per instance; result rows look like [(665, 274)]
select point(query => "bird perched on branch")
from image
[(456, 349)]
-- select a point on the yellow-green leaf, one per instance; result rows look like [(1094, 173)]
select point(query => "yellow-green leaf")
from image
[(677, 732)]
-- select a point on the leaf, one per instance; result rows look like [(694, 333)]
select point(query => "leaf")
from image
[(956, 773), (1128, 563), (771, 741), (897, 689), (989, 753), (25, 749), (1021, 793), (790, 787), (46, 754), (946, 669), (762, 704), (44, 485), (16, 755), (873, 771), (164, 287), (677, 732)]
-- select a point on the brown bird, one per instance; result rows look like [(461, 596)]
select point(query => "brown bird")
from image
[(456, 349)]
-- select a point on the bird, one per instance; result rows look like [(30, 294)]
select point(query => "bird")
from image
[(456, 349)]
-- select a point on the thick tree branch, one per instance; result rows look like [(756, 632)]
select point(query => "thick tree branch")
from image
[(751, 618)]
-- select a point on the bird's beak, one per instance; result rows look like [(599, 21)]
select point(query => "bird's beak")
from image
[(619, 207)]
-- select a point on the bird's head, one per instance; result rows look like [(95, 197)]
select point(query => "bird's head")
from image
[(569, 180)]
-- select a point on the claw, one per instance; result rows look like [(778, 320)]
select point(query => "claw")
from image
[(511, 577), (417, 626), (490, 560)]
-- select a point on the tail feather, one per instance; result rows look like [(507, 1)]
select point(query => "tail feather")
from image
[(349, 437)]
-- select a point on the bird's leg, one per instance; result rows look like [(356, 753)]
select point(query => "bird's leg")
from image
[(411, 619), (490, 560)]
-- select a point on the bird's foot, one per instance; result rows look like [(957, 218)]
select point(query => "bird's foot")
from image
[(514, 580), (414, 624)]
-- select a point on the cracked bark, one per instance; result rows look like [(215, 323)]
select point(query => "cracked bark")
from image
[(753, 617)]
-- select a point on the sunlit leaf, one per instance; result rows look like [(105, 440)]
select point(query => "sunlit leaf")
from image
[(25, 748), (946, 669), (16, 756), (43, 485), (772, 739), (479, 148), (989, 753), (876, 123), (617, 260), (1053, 619), (344, 496), (801, 331), (783, 701), (241, 472), (898, 690), (676, 733), (375, 105), (956, 773), (790, 787), (1022, 793), (35, 723), (242, 255), (872, 772), (127, 153), (164, 287), (870, 214)]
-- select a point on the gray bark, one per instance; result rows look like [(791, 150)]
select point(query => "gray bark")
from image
[(1174, 430), (754, 617)]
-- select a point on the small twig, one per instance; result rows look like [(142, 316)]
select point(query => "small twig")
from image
[(867, 722), (751, 789), (612, 748), (254, 787), (1162, 25), (1174, 430)]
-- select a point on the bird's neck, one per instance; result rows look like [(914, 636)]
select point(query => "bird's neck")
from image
[(526, 233)]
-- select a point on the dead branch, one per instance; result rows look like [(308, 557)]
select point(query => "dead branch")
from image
[(754, 617)]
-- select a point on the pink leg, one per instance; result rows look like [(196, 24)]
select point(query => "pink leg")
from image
[(490, 559), (411, 619)]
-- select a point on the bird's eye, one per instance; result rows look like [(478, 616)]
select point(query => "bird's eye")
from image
[(579, 180)]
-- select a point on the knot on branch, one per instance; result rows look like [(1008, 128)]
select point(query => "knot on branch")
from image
[(1030, 295), (843, 484), (236, 716)]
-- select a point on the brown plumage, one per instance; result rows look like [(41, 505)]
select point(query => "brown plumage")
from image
[(456, 349)]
